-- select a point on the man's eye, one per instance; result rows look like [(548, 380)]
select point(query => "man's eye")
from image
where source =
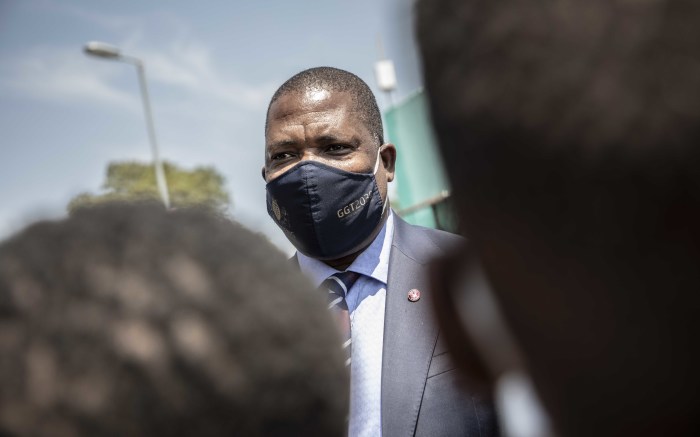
[(280, 156), (337, 148)]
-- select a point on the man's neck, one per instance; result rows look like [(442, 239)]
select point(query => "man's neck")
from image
[(343, 263)]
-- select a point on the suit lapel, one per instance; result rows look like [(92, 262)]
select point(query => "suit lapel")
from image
[(409, 333)]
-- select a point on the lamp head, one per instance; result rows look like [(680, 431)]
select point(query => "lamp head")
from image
[(102, 50)]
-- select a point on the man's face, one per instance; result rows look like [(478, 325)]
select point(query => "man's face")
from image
[(320, 125)]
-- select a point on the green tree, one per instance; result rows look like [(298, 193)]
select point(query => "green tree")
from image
[(136, 181)]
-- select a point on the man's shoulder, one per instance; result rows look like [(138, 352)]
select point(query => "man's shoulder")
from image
[(434, 241), (441, 238)]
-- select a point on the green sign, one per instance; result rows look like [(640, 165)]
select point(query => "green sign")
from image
[(421, 183)]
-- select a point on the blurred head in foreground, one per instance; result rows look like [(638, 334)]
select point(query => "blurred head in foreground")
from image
[(571, 134), (129, 320)]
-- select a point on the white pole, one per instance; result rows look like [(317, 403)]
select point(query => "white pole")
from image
[(157, 163), (107, 51)]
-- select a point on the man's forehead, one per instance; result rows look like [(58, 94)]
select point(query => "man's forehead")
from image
[(317, 94), (332, 114), (310, 100)]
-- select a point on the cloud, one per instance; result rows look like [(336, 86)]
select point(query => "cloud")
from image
[(190, 66), (65, 74), (182, 62), (113, 22), (61, 74)]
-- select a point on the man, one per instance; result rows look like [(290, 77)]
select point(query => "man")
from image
[(571, 137), (134, 321), (327, 169)]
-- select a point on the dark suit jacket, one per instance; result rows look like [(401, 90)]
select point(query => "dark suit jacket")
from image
[(421, 393), (421, 389)]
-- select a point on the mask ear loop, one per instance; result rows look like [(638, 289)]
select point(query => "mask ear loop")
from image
[(376, 163), (374, 173)]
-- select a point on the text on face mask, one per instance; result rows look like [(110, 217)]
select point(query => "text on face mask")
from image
[(354, 206)]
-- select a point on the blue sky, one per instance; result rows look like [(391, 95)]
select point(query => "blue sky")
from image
[(211, 65)]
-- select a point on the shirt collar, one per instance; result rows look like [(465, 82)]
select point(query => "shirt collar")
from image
[(372, 262)]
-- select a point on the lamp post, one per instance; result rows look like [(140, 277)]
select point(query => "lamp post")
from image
[(108, 51)]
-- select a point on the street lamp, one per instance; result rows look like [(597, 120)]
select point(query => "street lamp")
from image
[(107, 51), (384, 73)]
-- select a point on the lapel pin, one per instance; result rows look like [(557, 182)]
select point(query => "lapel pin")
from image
[(414, 295)]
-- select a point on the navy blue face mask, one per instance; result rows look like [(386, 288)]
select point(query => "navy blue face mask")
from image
[(326, 213)]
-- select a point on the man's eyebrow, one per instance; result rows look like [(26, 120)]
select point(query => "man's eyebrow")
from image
[(280, 144), (325, 139), (322, 139)]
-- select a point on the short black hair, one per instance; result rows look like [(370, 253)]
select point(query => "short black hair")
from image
[(570, 131), (130, 320), (560, 83), (335, 79)]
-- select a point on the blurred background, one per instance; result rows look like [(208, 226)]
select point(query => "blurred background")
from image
[(73, 126)]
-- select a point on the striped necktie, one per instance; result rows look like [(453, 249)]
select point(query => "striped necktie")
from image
[(338, 285)]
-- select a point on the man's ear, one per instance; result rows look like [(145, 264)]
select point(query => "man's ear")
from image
[(388, 154), (263, 173)]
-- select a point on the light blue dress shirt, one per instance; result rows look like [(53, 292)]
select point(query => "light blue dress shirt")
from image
[(366, 300)]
